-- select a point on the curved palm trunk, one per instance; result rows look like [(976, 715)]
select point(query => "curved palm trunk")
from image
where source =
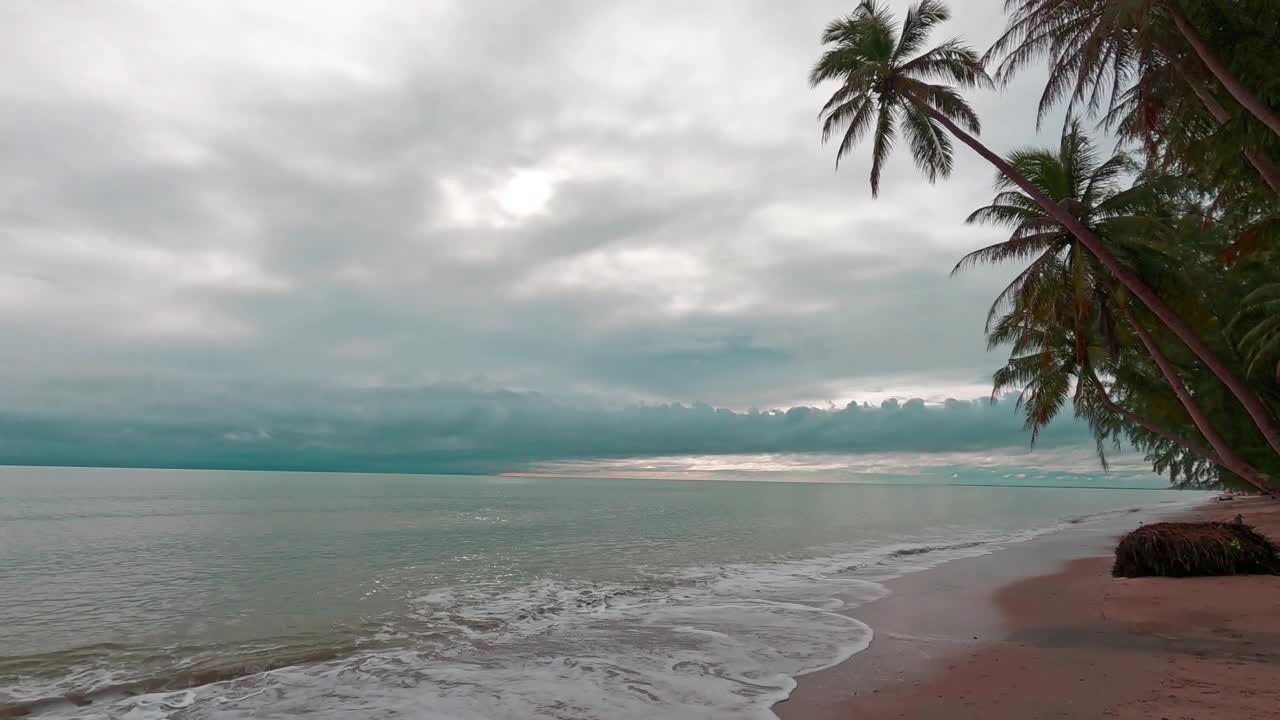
[(1252, 403), (1260, 162), (1219, 69), (1265, 168), (1227, 457), (1185, 443)]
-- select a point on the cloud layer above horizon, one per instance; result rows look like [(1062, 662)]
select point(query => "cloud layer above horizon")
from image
[(459, 429), (622, 202)]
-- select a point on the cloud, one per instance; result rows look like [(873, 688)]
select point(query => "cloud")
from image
[(627, 202), (1066, 466), (451, 428)]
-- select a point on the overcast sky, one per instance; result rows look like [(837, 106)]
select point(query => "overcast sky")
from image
[(627, 201)]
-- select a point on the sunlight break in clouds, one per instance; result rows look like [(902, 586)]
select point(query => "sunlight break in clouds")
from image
[(1003, 466), (498, 204)]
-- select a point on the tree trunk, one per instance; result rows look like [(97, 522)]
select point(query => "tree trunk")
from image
[(1220, 70), (1220, 114), (1260, 162), (1226, 456), (1187, 444), (1253, 405), (1265, 168)]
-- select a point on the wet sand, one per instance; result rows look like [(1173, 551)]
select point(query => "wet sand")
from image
[(1041, 630)]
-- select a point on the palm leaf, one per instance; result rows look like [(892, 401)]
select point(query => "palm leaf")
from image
[(930, 146), (885, 135), (1014, 249)]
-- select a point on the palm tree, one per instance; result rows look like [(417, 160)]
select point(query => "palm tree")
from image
[(1164, 109), (1076, 178), (1046, 360), (1222, 454), (1045, 363), (1095, 46), (882, 72), (1217, 67), (868, 57), (1060, 314)]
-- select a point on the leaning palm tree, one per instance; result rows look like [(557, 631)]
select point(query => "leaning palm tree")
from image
[(1062, 315), (1047, 360), (1221, 452), (1074, 177), (1095, 46), (880, 81)]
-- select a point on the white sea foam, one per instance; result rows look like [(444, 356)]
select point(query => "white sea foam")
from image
[(667, 655)]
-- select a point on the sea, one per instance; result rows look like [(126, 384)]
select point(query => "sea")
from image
[(574, 592)]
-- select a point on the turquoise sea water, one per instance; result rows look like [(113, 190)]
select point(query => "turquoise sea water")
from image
[(177, 594)]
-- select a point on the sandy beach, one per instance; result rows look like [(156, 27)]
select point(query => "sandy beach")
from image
[(1041, 630)]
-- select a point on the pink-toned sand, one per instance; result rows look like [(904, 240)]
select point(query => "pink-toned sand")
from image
[(1073, 644)]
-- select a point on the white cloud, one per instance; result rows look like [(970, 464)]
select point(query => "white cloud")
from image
[(630, 198), (667, 281)]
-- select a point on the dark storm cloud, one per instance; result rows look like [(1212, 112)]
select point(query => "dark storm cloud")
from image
[(451, 428)]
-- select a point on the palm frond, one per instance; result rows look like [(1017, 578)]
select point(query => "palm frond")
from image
[(1002, 215), (921, 19), (930, 146), (859, 122), (951, 61), (1040, 268), (885, 135), (949, 102), (1009, 250)]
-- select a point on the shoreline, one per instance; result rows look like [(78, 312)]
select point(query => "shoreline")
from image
[(938, 608), (1041, 630)]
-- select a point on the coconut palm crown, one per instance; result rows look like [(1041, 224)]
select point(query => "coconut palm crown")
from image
[(887, 78), (1058, 314)]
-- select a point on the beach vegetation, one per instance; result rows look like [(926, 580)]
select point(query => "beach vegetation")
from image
[(1148, 294)]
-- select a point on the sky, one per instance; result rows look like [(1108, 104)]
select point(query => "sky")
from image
[(226, 211)]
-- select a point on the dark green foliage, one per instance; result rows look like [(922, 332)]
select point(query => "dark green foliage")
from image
[(1195, 549), (1214, 296), (1057, 316), (1211, 248), (1188, 202)]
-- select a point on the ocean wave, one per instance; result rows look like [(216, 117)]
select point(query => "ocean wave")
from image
[(703, 643)]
